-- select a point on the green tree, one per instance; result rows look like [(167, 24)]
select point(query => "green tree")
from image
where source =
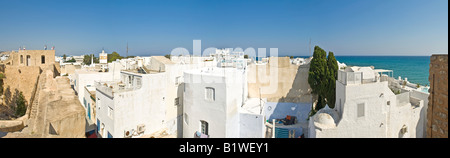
[(167, 56), (318, 72), (317, 76), (246, 56), (21, 105), (87, 60), (2, 76), (320, 103), (114, 56), (71, 60), (64, 57), (332, 68)]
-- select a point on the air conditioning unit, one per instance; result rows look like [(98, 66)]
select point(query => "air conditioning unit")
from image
[(128, 133), (140, 128)]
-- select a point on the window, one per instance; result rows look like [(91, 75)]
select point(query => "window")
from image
[(98, 125), (361, 111), (186, 119), (84, 102), (388, 103), (99, 104), (129, 80), (28, 60), (177, 101), (89, 110), (42, 59), (110, 112), (209, 94), (204, 127), (138, 82), (21, 59)]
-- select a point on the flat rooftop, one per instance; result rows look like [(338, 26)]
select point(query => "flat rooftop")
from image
[(213, 71)]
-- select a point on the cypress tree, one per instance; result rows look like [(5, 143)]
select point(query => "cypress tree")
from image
[(318, 72), (332, 68), (317, 76)]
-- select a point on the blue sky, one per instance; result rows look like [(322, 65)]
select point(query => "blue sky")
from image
[(155, 27)]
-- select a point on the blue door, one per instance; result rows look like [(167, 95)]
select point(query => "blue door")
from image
[(89, 110)]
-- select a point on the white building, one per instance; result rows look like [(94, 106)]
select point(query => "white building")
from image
[(366, 107), (89, 104), (194, 60), (299, 61), (341, 65), (213, 98), (78, 59), (4, 57), (59, 59), (103, 57), (85, 78), (133, 107), (170, 78), (228, 58)]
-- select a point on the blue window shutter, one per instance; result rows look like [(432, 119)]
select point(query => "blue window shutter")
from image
[(109, 135), (89, 110), (98, 125)]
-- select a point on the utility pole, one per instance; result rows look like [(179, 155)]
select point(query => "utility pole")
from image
[(127, 49)]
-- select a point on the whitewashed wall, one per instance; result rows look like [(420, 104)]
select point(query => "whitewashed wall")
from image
[(380, 120), (145, 105), (222, 113), (83, 78), (251, 125)]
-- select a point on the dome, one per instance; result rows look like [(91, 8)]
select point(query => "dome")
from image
[(324, 119)]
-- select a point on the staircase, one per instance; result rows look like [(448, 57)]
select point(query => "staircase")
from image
[(34, 105)]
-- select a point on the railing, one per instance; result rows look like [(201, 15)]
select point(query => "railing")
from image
[(350, 77)]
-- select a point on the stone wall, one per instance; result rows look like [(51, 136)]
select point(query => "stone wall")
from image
[(437, 115), (33, 57), (65, 114), (57, 113), (290, 84), (18, 79)]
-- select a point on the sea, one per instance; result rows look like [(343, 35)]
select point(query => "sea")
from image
[(415, 68)]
